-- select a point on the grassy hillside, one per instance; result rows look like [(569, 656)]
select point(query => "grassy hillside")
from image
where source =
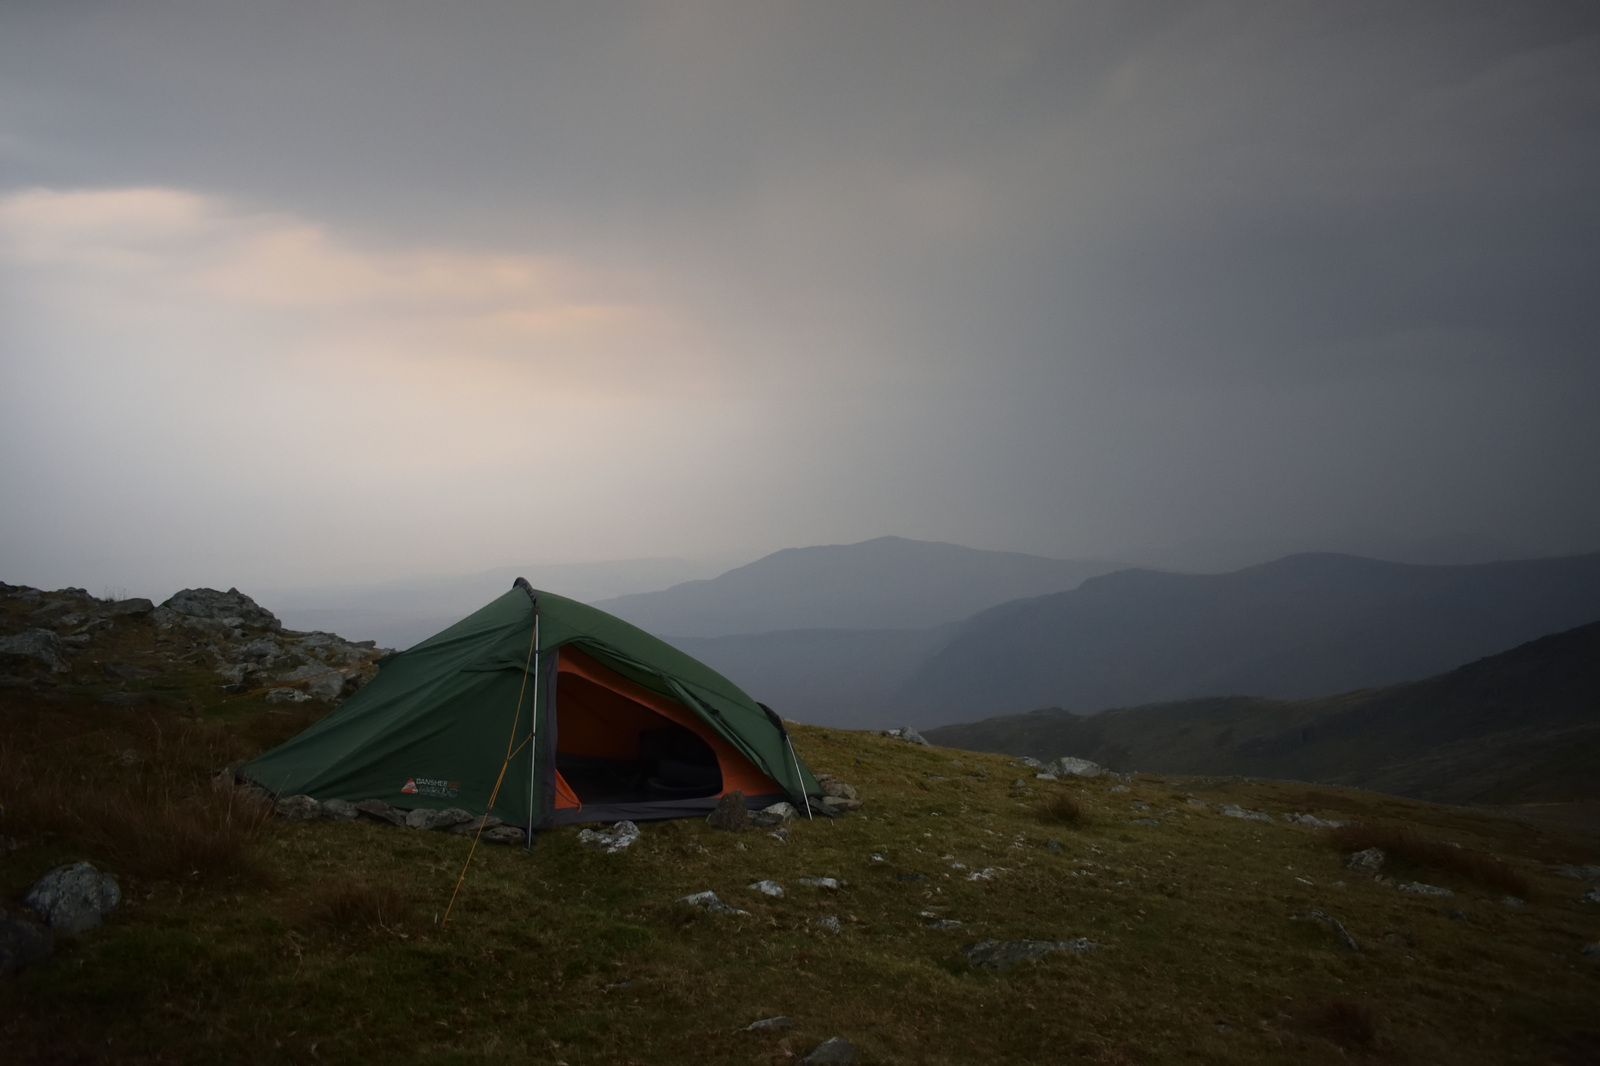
[(245, 938), (1519, 727)]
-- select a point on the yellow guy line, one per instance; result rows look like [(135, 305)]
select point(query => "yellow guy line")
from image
[(512, 747)]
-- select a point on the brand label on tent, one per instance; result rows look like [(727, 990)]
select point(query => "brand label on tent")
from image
[(432, 786)]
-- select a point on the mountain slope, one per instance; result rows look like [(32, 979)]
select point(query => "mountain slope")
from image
[(1519, 726), (1303, 626), (887, 583)]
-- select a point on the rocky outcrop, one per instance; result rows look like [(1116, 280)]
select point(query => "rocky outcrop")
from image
[(232, 608), (73, 898)]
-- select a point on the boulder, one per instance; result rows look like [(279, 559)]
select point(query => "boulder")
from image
[(1369, 861), (777, 814), (835, 788), (233, 608), (909, 735), (504, 834), (999, 954), (23, 943), (298, 809), (41, 645), (731, 814), (768, 888), (339, 810), (1068, 765), (381, 811), (837, 805), (73, 898), (134, 607), (834, 1051), (612, 840)]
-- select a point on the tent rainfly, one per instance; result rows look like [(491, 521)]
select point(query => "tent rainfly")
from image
[(576, 715)]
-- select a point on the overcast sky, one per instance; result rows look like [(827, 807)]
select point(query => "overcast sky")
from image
[(340, 291)]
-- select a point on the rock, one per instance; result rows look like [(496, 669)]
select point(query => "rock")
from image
[(425, 818), (298, 809), (828, 923), (730, 815), (504, 834), (40, 645), (943, 923), (232, 675), (1417, 888), (999, 954), (73, 898), (339, 810), (23, 943), (1369, 861), (1119, 788), (612, 840), (777, 814), (264, 651), (287, 695), (780, 834), (909, 735), (232, 607), (471, 826), (818, 806), (1052, 844), (782, 1021), (1312, 820), (1045, 777), (769, 888), (1233, 810), (1580, 873), (838, 789), (134, 607), (832, 884), (710, 902), (988, 873), (1592, 896), (1338, 929), (381, 811), (1068, 766), (834, 1051), (836, 805)]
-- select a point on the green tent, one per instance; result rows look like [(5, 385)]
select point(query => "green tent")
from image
[(574, 714)]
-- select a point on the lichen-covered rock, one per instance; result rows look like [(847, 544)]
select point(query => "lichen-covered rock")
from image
[(1068, 765), (999, 954), (40, 645), (612, 840), (829, 923), (731, 815), (73, 898), (1369, 861), (231, 608), (298, 809)]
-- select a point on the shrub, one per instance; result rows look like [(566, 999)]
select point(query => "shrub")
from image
[(1408, 846)]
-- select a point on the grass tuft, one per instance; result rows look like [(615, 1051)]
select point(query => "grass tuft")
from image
[(360, 907), (1063, 808), (1352, 1026), (1408, 846)]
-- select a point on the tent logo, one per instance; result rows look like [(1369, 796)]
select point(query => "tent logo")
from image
[(431, 786)]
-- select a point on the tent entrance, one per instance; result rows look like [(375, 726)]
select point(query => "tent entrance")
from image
[(627, 752)]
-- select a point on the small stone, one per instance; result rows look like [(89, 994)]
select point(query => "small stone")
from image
[(1052, 844), (1019, 783), (298, 809), (1369, 861), (731, 815), (73, 898), (1312, 820), (943, 923), (838, 789), (474, 826), (339, 810), (999, 954), (1045, 777), (612, 840), (780, 834), (834, 1051), (988, 873), (1338, 928), (426, 818), (504, 834), (1513, 901), (828, 923), (830, 883), (1119, 788), (1592, 896), (769, 888), (835, 805), (1233, 810), (287, 695), (782, 1021), (710, 902), (1417, 888), (777, 814)]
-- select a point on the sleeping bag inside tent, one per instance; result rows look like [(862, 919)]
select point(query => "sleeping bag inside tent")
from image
[(560, 712)]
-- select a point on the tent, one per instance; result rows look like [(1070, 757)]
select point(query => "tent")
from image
[(573, 714)]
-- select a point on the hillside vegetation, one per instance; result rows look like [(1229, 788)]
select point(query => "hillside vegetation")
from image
[(245, 938), (1519, 727)]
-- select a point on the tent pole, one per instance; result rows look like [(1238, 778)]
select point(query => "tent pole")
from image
[(533, 726), (804, 799)]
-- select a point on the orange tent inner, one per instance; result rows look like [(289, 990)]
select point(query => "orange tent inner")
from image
[(602, 718)]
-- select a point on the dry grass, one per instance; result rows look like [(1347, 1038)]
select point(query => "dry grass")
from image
[(1063, 808), (361, 907), (1408, 846), (1351, 1026)]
